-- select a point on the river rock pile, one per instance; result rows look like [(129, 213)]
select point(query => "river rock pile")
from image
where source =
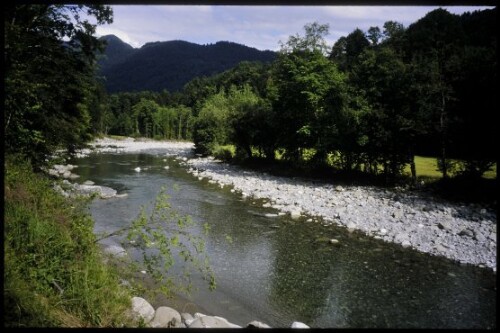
[(86, 189), (131, 145), (166, 317), (466, 233)]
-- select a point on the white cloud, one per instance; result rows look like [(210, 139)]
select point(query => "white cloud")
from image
[(256, 26), (105, 30)]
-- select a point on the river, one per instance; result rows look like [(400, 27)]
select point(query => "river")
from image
[(279, 270)]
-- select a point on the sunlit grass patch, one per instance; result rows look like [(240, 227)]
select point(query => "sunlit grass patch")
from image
[(427, 168)]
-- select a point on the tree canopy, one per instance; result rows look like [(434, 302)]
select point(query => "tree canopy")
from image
[(49, 63)]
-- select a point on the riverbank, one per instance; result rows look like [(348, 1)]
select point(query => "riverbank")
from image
[(53, 270), (464, 232)]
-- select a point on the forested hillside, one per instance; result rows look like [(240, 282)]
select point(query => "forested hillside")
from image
[(370, 103), (115, 52), (169, 65)]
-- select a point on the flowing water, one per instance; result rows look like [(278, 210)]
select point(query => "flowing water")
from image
[(278, 270)]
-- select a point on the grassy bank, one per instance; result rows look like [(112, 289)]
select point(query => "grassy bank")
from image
[(482, 190), (427, 167), (54, 274)]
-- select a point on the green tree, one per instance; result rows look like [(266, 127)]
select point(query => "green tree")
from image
[(49, 62), (144, 112), (212, 124), (313, 40), (346, 50), (248, 120), (391, 126), (374, 35), (433, 47), (306, 86)]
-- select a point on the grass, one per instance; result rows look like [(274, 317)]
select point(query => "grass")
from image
[(54, 274), (427, 168)]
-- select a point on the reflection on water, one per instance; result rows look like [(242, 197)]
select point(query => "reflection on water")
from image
[(278, 270)]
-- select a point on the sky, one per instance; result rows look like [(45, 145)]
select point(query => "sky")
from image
[(261, 27)]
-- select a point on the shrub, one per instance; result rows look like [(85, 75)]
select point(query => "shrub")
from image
[(54, 274)]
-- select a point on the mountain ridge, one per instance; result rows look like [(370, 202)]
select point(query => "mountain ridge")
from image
[(169, 64)]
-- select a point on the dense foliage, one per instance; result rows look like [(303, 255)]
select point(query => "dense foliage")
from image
[(54, 271), (49, 64)]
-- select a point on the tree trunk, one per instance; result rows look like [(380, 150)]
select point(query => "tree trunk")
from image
[(248, 150), (180, 128), (442, 123), (413, 169)]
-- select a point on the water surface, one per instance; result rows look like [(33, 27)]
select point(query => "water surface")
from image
[(278, 270)]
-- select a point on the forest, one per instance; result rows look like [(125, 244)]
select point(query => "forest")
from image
[(370, 103)]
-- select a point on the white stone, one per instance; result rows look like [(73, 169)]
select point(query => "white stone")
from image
[(142, 309), (166, 317), (187, 318), (298, 324), (295, 214), (211, 322), (199, 315), (406, 243), (138, 169)]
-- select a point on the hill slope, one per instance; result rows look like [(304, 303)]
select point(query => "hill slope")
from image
[(169, 65)]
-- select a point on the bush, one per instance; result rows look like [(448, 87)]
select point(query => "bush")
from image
[(54, 274), (223, 153)]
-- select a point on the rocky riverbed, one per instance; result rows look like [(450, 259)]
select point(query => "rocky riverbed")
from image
[(466, 233)]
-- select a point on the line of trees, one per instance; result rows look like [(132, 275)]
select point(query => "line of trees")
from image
[(140, 114), (371, 103)]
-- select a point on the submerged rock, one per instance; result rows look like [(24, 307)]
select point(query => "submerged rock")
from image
[(257, 324), (212, 322), (103, 191), (116, 251)]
